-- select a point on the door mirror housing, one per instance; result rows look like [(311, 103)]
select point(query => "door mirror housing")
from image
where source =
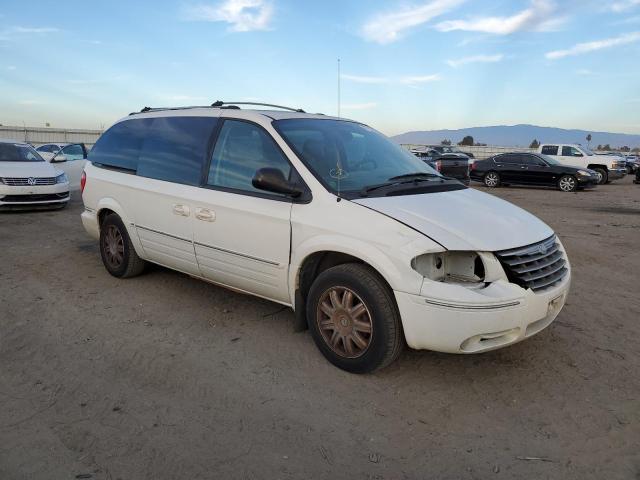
[(272, 180), (577, 154), (58, 158)]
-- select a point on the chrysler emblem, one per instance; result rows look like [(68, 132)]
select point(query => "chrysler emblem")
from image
[(31, 181), (542, 249)]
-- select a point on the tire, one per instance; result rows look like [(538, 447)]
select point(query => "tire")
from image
[(604, 177), (117, 252), (492, 179), (353, 318), (568, 183)]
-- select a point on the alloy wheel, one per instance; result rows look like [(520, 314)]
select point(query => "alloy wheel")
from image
[(491, 179), (344, 321), (567, 184), (113, 247)]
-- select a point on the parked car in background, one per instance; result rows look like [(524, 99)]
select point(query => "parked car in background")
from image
[(450, 149), (28, 181), (454, 165), (69, 157), (608, 167), (632, 164), (369, 245), (531, 169)]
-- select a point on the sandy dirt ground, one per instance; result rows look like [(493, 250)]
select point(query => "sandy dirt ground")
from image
[(167, 377)]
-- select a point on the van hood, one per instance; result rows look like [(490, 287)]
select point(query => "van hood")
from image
[(28, 169), (464, 219)]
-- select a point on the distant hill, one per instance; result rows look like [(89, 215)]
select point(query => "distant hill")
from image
[(519, 136)]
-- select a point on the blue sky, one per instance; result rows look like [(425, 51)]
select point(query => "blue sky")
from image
[(406, 65)]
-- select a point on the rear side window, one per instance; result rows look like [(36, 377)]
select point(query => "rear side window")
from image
[(507, 158), (120, 146), (550, 150), (241, 150), (175, 149)]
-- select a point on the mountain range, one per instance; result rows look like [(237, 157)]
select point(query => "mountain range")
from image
[(519, 136)]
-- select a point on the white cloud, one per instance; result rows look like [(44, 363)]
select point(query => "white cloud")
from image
[(410, 80), (415, 80), (389, 26), (11, 67), (584, 72), (242, 15), (623, 5), (475, 59), (37, 30), (587, 47), (364, 79), (541, 15), (359, 106)]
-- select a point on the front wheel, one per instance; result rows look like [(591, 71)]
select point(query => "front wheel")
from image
[(603, 177), (568, 183), (492, 179), (353, 318)]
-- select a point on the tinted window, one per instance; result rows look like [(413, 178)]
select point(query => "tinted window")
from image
[(570, 152), (73, 152), (120, 145), (531, 160), (175, 148), (242, 149), (47, 149), (508, 158), (550, 150)]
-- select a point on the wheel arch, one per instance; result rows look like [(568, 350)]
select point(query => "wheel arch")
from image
[(109, 205)]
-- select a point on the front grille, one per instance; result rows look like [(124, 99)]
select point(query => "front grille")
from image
[(43, 197), (537, 266), (24, 182)]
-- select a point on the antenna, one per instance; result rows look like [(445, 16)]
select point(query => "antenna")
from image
[(338, 88)]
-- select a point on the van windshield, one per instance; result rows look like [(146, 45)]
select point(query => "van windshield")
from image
[(16, 152), (348, 156)]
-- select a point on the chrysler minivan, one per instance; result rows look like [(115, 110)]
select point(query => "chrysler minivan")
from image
[(369, 246)]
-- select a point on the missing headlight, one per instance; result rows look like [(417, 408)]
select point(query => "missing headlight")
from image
[(451, 267)]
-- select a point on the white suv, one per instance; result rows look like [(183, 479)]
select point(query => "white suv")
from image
[(607, 167), (367, 243)]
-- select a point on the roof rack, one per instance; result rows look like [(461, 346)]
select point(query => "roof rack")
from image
[(160, 109), (221, 104)]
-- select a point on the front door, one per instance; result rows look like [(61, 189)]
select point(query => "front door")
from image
[(75, 160), (242, 235)]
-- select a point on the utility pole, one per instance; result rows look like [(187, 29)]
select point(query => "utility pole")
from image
[(338, 88)]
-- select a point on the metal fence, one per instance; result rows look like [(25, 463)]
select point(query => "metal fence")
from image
[(479, 152), (41, 135)]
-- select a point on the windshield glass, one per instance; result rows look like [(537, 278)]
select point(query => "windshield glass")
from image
[(15, 152), (586, 151), (347, 156)]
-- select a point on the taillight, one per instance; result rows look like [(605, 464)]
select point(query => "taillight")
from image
[(83, 181), (439, 165)]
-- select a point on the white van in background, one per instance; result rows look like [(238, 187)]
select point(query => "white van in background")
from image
[(608, 167)]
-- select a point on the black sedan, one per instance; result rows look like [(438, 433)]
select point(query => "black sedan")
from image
[(531, 169)]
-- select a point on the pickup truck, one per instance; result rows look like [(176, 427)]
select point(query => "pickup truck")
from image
[(608, 167)]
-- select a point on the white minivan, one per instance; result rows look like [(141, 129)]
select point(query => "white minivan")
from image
[(368, 245)]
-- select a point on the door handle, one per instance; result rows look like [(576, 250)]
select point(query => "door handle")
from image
[(181, 210), (205, 214)]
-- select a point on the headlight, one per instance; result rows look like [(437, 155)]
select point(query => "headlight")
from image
[(62, 178), (584, 173)]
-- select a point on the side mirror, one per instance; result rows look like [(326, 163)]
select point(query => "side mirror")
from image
[(58, 158), (272, 180), (577, 154)]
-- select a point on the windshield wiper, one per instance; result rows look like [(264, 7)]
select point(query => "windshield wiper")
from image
[(395, 181), (414, 175)]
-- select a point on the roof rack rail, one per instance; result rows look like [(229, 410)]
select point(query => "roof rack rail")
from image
[(221, 104), (160, 109)]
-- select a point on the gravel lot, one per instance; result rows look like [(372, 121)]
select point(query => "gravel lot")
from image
[(167, 377)]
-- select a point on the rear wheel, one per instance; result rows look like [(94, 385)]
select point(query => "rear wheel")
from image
[(492, 179), (353, 318), (117, 252), (568, 183), (603, 177)]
